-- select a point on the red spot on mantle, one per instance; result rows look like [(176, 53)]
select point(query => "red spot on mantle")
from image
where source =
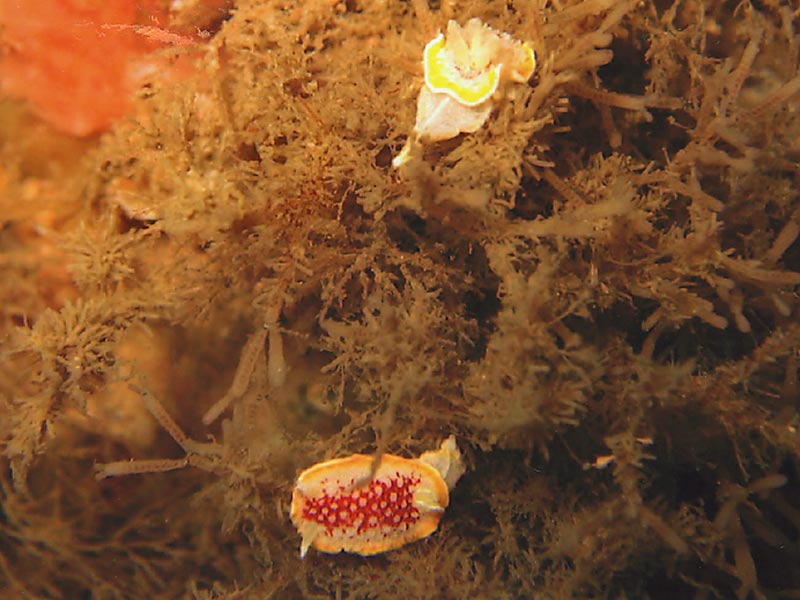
[(384, 503)]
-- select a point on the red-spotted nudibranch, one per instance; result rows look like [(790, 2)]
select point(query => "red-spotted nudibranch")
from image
[(337, 507), (465, 69)]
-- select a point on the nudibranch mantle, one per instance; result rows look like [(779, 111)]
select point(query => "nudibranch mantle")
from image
[(336, 507), (456, 75), (464, 69)]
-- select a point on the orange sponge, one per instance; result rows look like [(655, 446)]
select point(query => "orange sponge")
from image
[(77, 62)]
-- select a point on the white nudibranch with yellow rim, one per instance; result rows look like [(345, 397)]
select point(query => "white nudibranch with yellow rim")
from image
[(465, 70)]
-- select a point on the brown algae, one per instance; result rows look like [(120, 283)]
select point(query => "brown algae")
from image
[(594, 291)]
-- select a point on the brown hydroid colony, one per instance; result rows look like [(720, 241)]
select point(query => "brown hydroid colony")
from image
[(595, 293)]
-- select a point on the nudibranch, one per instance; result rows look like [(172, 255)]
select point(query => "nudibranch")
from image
[(337, 507), (465, 69)]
